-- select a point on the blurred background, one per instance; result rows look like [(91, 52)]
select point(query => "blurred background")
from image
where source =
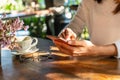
[(45, 17)]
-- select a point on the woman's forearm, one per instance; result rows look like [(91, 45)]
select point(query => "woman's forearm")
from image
[(107, 50)]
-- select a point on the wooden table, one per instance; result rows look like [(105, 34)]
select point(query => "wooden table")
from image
[(60, 67)]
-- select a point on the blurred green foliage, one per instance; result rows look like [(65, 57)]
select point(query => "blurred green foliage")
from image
[(11, 5), (37, 25), (85, 34)]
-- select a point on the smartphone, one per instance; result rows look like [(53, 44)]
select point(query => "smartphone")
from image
[(52, 37), (56, 38)]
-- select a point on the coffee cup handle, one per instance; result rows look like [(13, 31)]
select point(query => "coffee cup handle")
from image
[(34, 43)]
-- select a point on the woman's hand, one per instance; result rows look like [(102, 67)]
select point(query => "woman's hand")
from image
[(85, 48), (68, 34), (76, 48)]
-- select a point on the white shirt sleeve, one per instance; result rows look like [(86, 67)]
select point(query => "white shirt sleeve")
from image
[(117, 44)]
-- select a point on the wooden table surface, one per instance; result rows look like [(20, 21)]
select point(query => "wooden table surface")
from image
[(60, 67)]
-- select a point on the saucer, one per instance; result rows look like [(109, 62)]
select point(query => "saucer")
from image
[(28, 52)]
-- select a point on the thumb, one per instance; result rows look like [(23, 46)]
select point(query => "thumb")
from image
[(75, 43)]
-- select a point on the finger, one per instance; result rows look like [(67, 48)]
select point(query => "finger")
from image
[(65, 51), (72, 37), (66, 34), (60, 40), (64, 45), (76, 43), (69, 34), (80, 43), (63, 35)]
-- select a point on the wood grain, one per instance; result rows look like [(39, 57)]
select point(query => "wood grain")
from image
[(60, 67)]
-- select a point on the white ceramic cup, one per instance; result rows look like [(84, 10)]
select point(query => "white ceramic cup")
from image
[(26, 43)]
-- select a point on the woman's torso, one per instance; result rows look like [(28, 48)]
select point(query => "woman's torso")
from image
[(103, 25)]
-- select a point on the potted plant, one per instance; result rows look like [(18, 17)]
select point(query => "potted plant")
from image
[(7, 32)]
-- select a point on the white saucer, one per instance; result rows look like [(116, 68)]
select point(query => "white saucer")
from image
[(30, 51)]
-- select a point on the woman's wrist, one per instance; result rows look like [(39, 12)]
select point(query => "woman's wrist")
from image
[(106, 50)]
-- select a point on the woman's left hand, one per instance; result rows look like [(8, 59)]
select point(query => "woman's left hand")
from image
[(77, 48)]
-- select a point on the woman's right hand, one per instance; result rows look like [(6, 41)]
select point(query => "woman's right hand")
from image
[(67, 34)]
